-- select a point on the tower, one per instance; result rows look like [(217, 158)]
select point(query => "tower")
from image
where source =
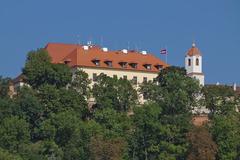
[(193, 64)]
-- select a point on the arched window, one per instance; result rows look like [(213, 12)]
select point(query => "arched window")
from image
[(197, 62), (189, 62)]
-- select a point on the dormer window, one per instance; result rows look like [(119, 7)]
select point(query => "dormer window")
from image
[(96, 62), (108, 63), (67, 61), (148, 66), (159, 67), (133, 65), (123, 64)]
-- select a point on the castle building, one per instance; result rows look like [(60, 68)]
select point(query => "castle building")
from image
[(193, 64), (132, 65)]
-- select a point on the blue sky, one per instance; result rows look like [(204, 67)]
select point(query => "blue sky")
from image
[(26, 25)]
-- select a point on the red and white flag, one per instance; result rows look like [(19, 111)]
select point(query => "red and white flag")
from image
[(163, 51)]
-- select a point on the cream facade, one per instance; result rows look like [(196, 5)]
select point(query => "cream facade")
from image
[(137, 76)]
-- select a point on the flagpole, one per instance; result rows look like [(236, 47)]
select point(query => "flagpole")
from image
[(166, 54)]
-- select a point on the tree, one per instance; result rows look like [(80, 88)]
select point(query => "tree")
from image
[(7, 108), (220, 99), (174, 90), (39, 70), (176, 94), (29, 107), (226, 133), (81, 83), (42, 150), (68, 132), (155, 137), (5, 155), (14, 132), (106, 149), (56, 100), (4, 86), (115, 124), (202, 145), (114, 93), (144, 143)]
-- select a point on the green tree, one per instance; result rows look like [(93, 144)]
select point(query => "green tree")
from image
[(81, 83), (226, 132), (39, 70), (144, 142), (220, 99), (176, 94), (155, 137), (174, 90), (57, 100), (68, 132), (5, 155), (115, 124), (14, 132), (114, 93), (7, 108), (42, 150), (30, 108), (4, 86)]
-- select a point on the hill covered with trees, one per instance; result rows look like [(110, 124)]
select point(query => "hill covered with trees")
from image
[(52, 119)]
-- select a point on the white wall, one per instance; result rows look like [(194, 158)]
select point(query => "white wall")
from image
[(193, 68)]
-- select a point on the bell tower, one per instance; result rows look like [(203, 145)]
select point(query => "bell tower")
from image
[(193, 64)]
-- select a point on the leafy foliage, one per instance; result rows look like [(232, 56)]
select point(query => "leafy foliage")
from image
[(114, 93), (39, 70), (4, 86), (222, 102), (52, 120)]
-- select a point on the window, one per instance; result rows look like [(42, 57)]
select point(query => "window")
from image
[(125, 77), (197, 62), (94, 77), (159, 67), (123, 64), (189, 62), (133, 65), (148, 66), (96, 62), (134, 80), (144, 79), (109, 63)]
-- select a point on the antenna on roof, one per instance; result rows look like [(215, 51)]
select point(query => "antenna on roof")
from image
[(136, 47), (78, 40), (128, 46), (89, 42), (101, 41)]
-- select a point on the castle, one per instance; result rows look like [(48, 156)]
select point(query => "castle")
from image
[(132, 65)]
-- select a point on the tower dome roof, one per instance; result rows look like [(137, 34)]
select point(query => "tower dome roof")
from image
[(194, 51)]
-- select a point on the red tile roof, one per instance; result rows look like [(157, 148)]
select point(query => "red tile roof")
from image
[(75, 55), (194, 51)]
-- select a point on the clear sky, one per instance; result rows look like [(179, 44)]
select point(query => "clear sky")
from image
[(214, 25)]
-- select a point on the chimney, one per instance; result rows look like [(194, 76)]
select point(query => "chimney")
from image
[(104, 49), (144, 52), (125, 51), (85, 47)]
